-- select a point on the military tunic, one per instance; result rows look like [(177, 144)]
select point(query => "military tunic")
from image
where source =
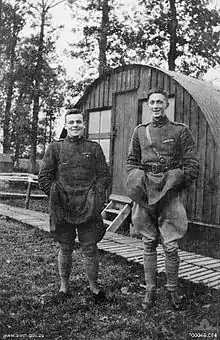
[(158, 171), (74, 175)]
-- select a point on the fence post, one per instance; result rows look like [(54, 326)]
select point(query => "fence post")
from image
[(28, 194)]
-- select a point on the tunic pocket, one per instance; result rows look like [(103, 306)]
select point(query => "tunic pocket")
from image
[(168, 146), (87, 160)]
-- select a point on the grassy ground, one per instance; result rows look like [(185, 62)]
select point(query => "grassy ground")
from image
[(29, 281)]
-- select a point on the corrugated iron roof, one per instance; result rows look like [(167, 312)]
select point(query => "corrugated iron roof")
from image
[(207, 97)]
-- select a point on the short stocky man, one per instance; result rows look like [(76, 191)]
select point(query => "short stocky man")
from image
[(161, 163), (74, 175)]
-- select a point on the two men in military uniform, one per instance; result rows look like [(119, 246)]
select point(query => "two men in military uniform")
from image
[(161, 164)]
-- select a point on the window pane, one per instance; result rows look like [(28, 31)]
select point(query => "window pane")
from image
[(170, 109), (105, 144), (105, 125), (94, 122)]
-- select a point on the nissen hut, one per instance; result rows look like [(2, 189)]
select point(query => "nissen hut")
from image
[(116, 102)]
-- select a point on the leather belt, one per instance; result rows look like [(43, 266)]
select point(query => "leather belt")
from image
[(156, 168)]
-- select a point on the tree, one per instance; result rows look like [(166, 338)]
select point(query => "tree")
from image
[(102, 39), (51, 103), (172, 28), (31, 79), (51, 94), (20, 129), (186, 31), (1, 5), (175, 34), (96, 15), (42, 8), (15, 22), (51, 99)]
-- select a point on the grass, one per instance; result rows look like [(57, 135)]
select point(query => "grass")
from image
[(29, 282)]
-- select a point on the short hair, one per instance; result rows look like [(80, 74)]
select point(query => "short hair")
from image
[(73, 112), (157, 90)]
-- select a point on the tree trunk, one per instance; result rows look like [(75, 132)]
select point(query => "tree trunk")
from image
[(7, 118), (172, 28), (7, 113), (0, 17), (18, 130), (17, 152), (103, 33), (36, 101), (45, 136)]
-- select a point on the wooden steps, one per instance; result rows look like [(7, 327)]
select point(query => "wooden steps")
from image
[(193, 267), (116, 212)]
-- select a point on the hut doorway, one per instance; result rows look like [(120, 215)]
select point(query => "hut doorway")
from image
[(125, 106)]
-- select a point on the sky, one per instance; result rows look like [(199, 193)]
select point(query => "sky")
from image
[(61, 15)]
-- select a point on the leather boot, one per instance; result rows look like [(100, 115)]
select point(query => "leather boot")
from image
[(91, 266), (64, 266), (172, 268), (150, 267), (149, 299), (175, 300)]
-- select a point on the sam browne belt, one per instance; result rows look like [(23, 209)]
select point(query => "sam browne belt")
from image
[(156, 168)]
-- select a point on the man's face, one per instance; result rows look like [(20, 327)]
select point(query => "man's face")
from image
[(74, 125), (157, 103)]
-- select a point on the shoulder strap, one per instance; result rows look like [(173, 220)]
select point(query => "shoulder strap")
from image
[(161, 159), (148, 134)]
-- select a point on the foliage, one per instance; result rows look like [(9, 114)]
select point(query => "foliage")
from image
[(12, 17), (139, 32), (22, 78)]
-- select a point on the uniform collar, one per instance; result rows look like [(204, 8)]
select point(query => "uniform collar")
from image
[(160, 121), (75, 139)]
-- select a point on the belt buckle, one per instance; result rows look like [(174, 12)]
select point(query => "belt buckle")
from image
[(154, 168)]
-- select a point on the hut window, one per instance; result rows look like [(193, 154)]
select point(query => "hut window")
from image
[(105, 144), (146, 115), (94, 122), (99, 129)]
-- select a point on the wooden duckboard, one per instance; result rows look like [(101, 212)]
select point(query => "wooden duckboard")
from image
[(193, 267)]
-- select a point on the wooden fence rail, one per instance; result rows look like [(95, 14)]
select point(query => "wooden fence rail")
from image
[(14, 177)]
